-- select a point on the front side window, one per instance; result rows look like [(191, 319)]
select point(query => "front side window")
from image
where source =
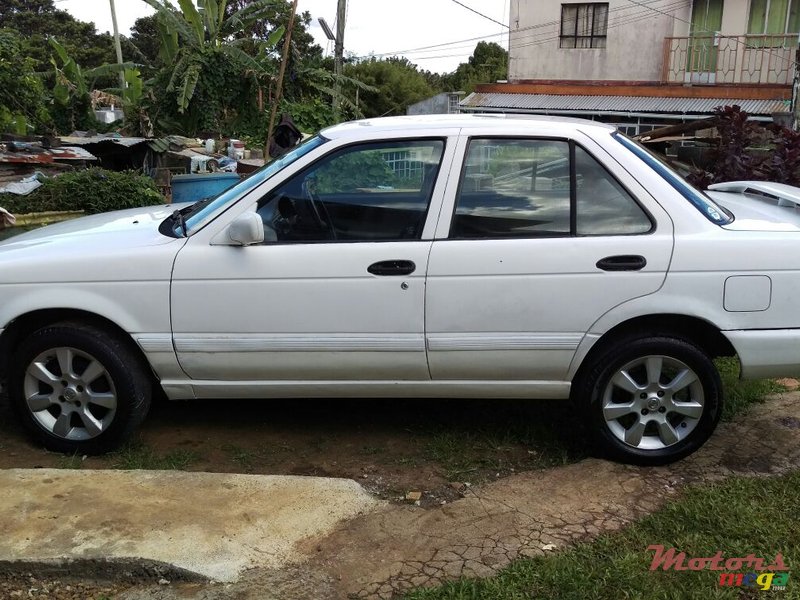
[(584, 25), (512, 188), (368, 192), (203, 210)]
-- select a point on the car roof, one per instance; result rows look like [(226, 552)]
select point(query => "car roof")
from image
[(494, 121)]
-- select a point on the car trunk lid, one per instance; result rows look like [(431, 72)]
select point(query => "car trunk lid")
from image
[(759, 205)]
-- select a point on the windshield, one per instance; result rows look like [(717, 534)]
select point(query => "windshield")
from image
[(199, 212), (712, 211)]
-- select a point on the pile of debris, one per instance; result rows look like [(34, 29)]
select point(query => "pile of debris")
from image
[(24, 163)]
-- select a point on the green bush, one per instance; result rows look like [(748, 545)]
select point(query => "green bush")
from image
[(90, 190)]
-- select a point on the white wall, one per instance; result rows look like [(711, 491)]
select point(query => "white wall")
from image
[(635, 43)]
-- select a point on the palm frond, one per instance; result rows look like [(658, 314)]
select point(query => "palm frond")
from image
[(179, 69), (193, 18), (247, 15), (243, 58), (172, 21), (190, 78)]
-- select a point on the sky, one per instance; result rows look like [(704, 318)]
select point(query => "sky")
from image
[(373, 26)]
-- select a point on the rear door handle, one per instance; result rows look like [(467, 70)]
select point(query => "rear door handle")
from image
[(623, 262), (392, 267)]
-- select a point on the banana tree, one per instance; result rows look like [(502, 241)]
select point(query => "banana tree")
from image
[(73, 85), (190, 36)]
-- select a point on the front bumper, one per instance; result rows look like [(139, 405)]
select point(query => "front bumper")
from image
[(767, 352)]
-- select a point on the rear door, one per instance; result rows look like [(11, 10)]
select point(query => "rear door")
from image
[(539, 238)]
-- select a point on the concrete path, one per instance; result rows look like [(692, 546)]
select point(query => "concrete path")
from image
[(298, 538), (214, 525)]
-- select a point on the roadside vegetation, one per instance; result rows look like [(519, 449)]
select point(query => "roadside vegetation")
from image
[(90, 190)]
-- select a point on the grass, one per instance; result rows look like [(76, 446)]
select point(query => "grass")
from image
[(740, 395), (474, 454), (137, 455), (248, 459), (70, 461), (12, 231), (738, 517)]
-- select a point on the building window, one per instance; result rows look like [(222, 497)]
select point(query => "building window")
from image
[(584, 25), (774, 17), (453, 107)]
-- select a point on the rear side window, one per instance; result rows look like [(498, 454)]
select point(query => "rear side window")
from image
[(523, 188), (712, 211)]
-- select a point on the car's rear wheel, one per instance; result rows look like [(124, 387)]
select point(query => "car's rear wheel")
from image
[(78, 389), (652, 400)]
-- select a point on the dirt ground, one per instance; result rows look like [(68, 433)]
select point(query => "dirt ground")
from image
[(391, 447)]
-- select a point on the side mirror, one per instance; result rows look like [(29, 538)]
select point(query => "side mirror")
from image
[(246, 229)]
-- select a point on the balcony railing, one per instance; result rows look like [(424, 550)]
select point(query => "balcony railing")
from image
[(764, 59)]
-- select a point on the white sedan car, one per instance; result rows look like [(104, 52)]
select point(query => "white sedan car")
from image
[(461, 256)]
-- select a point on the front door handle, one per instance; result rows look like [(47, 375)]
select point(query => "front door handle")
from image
[(623, 262), (392, 267)]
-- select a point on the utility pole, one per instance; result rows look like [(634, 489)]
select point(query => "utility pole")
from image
[(279, 86), (122, 85), (341, 17)]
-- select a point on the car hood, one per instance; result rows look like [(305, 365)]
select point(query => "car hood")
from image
[(121, 245), (757, 213), (132, 226)]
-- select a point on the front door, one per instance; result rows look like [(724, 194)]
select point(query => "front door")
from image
[(336, 292), (544, 239)]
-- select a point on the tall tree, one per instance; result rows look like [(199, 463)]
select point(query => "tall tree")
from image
[(22, 97), (305, 52), (398, 84), (146, 39), (38, 20), (488, 63)]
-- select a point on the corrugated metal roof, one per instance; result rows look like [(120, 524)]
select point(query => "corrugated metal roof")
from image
[(615, 104), (98, 139), (155, 144), (159, 144), (30, 154)]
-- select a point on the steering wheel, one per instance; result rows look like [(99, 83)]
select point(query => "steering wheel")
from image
[(309, 189)]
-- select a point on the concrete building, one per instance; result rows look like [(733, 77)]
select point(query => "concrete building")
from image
[(646, 63), (445, 103)]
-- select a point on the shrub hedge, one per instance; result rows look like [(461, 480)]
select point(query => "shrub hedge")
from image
[(91, 190)]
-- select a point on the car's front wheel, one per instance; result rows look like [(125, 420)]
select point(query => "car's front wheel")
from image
[(651, 400), (78, 388)]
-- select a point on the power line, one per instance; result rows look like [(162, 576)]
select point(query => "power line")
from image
[(514, 32), (469, 8)]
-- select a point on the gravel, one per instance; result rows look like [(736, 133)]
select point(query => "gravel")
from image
[(26, 585)]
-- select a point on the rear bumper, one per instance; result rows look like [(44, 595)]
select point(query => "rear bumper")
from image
[(767, 352)]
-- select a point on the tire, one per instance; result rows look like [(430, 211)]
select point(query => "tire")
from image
[(652, 400), (78, 389)]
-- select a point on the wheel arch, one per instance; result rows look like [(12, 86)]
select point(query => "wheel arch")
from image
[(23, 325), (696, 330)]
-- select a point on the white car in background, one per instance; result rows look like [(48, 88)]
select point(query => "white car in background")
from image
[(459, 256)]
